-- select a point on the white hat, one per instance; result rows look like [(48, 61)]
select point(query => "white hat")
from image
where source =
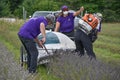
[(99, 15)]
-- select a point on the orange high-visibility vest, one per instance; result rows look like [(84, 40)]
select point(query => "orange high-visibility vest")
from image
[(91, 20)]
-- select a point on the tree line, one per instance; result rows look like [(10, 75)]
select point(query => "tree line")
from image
[(14, 8)]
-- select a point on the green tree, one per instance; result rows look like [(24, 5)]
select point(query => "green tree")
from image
[(109, 8), (39, 5), (14, 4), (112, 11), (4, 9)]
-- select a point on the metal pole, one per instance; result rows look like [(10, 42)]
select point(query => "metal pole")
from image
[(24, 14)]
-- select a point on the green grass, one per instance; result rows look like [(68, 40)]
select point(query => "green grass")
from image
[(107, 46), (44, 74), (8, 35)]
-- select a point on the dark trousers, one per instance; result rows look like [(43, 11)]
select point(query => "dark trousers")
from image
[(93, 35), (32, 53), (82, 41), (69, 34)]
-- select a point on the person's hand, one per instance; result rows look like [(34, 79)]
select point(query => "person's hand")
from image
[(82, 8), (40, 44), (43, 40)]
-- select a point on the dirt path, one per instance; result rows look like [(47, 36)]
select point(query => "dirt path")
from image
[(9, 69)]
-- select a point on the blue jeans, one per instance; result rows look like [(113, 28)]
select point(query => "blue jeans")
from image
[(32, 53)]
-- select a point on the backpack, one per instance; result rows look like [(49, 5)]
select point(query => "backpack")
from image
[(91, 20)]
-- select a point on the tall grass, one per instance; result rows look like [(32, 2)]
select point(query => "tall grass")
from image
[(107, 45), (8, 34), (107, 49)]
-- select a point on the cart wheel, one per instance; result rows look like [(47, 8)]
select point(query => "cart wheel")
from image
[(23, 55)]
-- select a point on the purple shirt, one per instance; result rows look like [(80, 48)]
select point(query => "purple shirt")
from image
[(31, 28), (66, 23)]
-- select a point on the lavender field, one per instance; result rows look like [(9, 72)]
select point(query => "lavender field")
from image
[(70, 66)]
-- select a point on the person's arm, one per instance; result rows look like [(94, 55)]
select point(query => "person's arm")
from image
[(42, 29), (79, 11), (57, 26), (40, 44)]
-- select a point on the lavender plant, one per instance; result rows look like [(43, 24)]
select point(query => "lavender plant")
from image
[(70, 66)]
